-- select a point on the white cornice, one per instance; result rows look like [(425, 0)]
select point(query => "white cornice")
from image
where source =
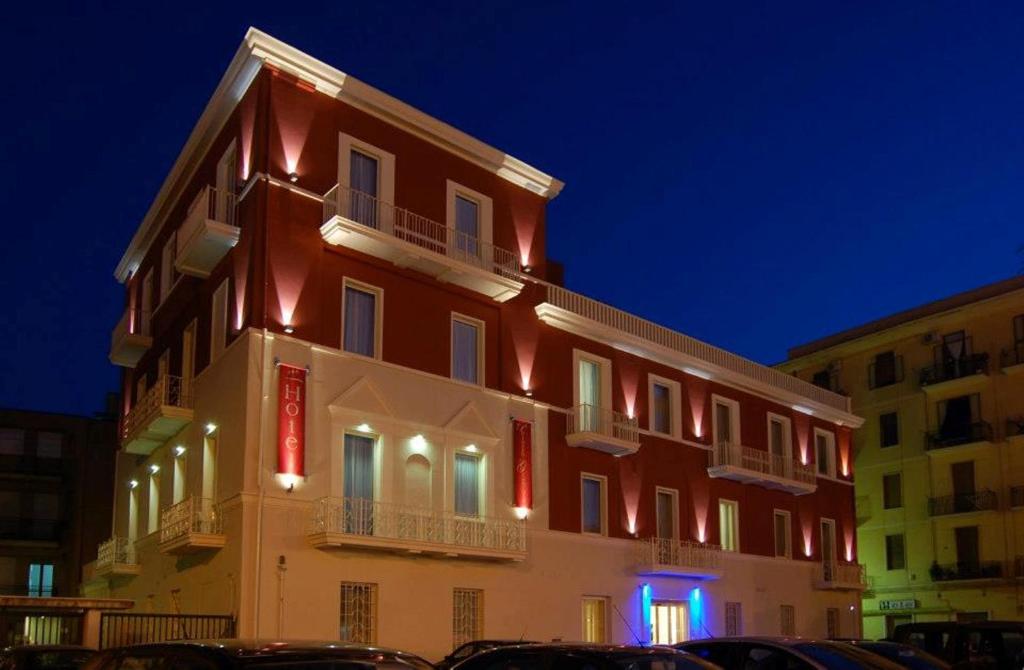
[(258, 49), (568, 321)]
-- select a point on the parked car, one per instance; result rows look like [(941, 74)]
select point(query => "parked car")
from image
[(561, 656), (908, 656), (473, 648), (785, 653), (45, 657), (247, 654), (983, 644)]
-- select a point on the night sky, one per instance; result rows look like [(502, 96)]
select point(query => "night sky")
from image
[(755, 175)]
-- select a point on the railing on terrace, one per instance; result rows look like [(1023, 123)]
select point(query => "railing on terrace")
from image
[(191, 515), (959, 503), (168, 391), (834, 572), (967, 570), (633, 325), (979, 431), (948, 368), (592, 419), (133, 322), (759, 460), (678, 553), (419, 230), (211, 204), (115, 551), (360, 516)]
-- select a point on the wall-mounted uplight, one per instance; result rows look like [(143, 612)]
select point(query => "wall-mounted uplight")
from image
[(521, 512), (528, 393), (364, 428), (289, 330), (133, 484), (154, 468), (293, 177), (211, 428), (471, 448), (527, 269), (288, 481), (418, 443), (179, 451)]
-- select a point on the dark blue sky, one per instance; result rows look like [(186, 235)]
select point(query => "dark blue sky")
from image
[(754, 174)]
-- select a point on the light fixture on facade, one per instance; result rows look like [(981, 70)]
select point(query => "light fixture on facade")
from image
[(288, 481), (154, 468), (293, 177), (521, 512), (179, 451), (211, 428), (418, 443), (471, 448), (527, 269), (528, 393), (133, 483), (364, 428), (289, 330)]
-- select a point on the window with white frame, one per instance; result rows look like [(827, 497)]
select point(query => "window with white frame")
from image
[(467, 349), (219, 321), (168, 273), (825, 452), (787, 620), (595, 619), (733, 618), (726, 421), (467, 485), (664, 402), (358, 621), (467, 616), (729, 524), (470, 215), (592, 390), (361, 318), (366, 175), (593, 501), (780, 441), (783, 534), (666, 513)]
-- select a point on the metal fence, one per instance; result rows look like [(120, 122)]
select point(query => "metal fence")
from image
[(117, 629), (42, 627)]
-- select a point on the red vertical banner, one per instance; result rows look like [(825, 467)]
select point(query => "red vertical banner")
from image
[(291, 418), (522, 459)]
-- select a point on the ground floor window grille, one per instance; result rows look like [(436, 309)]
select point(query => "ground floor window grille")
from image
[(358, 613), (467, 616), (832, 623), (595, 620), (787, 620), (733, 619)]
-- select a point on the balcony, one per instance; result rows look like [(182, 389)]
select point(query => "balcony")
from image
[(959, 436), (1015, 428), (667, 557), (1017, 496), (836, 576), (193, 525), (358, 221), (1012, 360), (208, 233), (967, 570), (602, 429), (164, 410), (963, 503), (116, 557), (131, 338), (370, 524), (959, 374), (758, 467)]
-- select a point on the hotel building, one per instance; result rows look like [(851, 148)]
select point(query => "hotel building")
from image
[(940, 485), (360, 405)]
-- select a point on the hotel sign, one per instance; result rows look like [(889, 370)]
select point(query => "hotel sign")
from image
[(889, 605), (522, 460), (291, 417)]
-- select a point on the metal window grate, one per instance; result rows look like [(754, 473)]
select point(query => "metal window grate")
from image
[(467, 616), (733, 618), (358, 621), (787, 620)]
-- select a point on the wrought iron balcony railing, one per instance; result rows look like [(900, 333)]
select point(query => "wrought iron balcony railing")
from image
[(948, 368), (670, 553), (960, 503), (979, 431), (1012, 356), (168, 391), (115, 551), (963, 570), (193, 515)]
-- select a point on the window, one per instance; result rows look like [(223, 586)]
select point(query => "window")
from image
[(219, 321), (210, 466), (670, 622), (595, 619), (180, 471), (168, 273), (366, 175), (358, 613), (733, 619), (467, 616), (885, 370), (889, 429), (895, 557), (49, 445), (729, 525), (40, 579), (832, 623), (361, 322), (467, 485), (892, 491), (593, 504), (470, 214), (665, 413), (154, 503), (467, 349), (666, 504), (783, 534), (787, 620), (12, 441), (825, 452), (592, 391), (780, 441), (823, 379), (726, 421)]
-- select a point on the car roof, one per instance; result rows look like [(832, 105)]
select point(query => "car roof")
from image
[(47, 647), (584, 647), (760, 639), (255, 647), (939, 625)]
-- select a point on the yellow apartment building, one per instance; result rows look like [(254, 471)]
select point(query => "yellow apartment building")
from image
[(940, 458)]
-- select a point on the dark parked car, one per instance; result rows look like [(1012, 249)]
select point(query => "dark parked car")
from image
[(785, 653), (473, 648), (983, 644), (908, 656), (559, 656), (44, 657), (239, 654)]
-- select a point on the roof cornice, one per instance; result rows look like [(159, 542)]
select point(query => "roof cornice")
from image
[(258, 49)]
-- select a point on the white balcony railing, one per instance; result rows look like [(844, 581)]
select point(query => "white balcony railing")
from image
[(686, 555), (168, 391), (602, 421), (210, 204), (404, 225), (115, 551), (761, 462), (192, 515), (850, 575), (412, 525), (133, 322)]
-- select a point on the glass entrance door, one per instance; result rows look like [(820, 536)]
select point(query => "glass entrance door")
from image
[(670, 622)]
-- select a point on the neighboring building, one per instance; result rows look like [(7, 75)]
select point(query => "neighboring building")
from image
[(940, 480), (56, 497), (313, 223)]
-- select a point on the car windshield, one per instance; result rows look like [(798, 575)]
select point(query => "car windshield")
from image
[(835, 656), (905, 655), (57, 659)]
